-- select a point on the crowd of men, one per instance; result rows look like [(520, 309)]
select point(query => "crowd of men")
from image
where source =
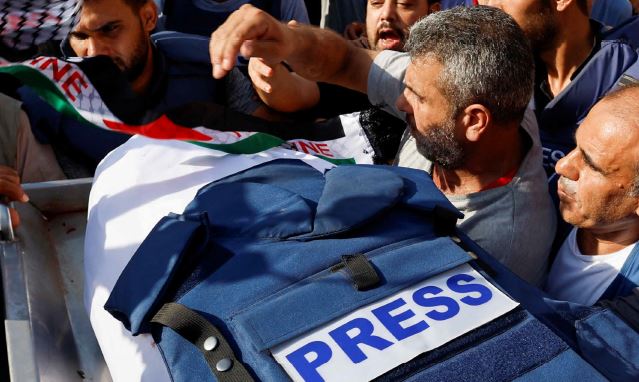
[(464, 98), (507, 105)]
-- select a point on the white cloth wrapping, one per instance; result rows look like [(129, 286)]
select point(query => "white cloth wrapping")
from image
[(135, 186)]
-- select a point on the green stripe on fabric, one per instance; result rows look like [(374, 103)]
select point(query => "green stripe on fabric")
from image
[(262, 144), (45, 88), (251, 145), (50, 93), (336, 161)]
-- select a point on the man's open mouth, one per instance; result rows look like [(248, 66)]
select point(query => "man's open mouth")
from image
[(389, 39)]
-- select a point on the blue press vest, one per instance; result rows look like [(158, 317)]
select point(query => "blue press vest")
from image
[(615, 62), (259, 266)]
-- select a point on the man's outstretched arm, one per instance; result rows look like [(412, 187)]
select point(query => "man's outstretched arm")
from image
[(316, 54)]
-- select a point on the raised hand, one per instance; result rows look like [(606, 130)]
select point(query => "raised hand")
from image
[(250, 32)]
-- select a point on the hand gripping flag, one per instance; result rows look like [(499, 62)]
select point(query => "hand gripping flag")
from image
[(94, 91)]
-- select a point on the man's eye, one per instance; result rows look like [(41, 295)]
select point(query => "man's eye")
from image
[(79, 36), (415, 97), (109, 28), (590, 166)]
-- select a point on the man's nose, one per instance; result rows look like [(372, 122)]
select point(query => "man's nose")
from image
[(403, 105), (389, 10), (96, 47), (566, 166)]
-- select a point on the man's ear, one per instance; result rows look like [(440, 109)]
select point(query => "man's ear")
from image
[(149, 15), (562, 5), (434, 7), (632, 188), (475, 118)]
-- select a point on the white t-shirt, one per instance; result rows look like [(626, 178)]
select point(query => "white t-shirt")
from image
[(580, 278)]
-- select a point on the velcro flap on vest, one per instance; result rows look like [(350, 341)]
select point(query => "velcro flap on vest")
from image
[(327, 296), (140, 289), (421, 193), (354, 195), (254, 210)]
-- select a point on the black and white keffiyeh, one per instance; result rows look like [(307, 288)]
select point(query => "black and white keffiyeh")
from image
[(27, 23)]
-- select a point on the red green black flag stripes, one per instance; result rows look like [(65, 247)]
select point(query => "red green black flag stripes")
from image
[(68, 86)]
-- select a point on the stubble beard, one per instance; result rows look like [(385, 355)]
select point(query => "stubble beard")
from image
[(439, 145), (138, 61), (136, 65), (541, 29)]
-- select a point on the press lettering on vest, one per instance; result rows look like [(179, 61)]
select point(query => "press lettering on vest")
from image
[(375, 338), (360, 331), (356, 332), (394, 322), (460, 284), (308, 367), (452, 308)]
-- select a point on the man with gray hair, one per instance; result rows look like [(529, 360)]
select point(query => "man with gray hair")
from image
[(599, 194), (468, 78)]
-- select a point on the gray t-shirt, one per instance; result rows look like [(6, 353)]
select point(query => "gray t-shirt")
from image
[(516, 222)]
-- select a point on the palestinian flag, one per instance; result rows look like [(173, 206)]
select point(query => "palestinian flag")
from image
[(93, 91)]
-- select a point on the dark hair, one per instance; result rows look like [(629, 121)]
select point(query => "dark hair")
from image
[(133, 4), (583, 5), (486, 59), (136, 4)]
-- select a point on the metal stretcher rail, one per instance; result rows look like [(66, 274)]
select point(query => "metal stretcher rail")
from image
[(49, 337)]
